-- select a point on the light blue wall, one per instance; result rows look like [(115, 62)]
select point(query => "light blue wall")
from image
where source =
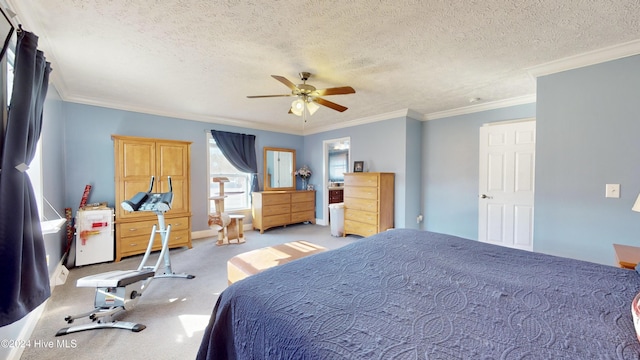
[(413, 183), (587, 123), (89, 151), (52, 146), (450, 167), (587, 136), (382, 147)]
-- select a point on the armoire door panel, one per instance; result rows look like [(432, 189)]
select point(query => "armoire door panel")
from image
[(171, 161), (139, 160)]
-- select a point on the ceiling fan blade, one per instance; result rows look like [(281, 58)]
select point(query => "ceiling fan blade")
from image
[(330, 104), (285, 81), (336, 91), (266, 96)]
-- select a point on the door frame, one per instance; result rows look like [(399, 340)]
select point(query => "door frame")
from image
[(325, 175)]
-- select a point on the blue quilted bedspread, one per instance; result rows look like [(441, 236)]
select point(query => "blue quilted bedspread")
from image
[(406, 294)]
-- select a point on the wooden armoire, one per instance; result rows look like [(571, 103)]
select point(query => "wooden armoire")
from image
[(137, 159)]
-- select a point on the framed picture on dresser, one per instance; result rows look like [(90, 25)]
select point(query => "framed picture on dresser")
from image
[(358, 166)]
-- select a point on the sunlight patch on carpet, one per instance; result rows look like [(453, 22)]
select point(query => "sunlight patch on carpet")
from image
[(193, 323)]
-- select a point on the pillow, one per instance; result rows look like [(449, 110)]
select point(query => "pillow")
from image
[(635, 312)]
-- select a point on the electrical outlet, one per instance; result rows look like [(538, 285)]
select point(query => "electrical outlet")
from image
[(612, 191)]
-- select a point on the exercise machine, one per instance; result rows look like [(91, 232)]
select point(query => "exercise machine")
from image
[(119, 290)]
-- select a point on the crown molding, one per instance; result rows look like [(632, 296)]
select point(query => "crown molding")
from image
[(521, 100), (182, 115), (365, 120), (585, 59)]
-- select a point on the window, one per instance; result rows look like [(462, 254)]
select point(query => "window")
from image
[(237, 189), (338, 165)]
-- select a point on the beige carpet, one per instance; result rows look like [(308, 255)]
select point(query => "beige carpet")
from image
[(175, 311)]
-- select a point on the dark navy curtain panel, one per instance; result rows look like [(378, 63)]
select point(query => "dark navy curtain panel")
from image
[(23, 265), (240, 150)]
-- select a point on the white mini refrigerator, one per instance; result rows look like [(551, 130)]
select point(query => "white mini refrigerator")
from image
[(94, 236)]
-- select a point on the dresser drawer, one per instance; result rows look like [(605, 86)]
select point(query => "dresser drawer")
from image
[(176, 238), (361, 192), (304, 206), (270, 210), (135, 244), (361, 216), (272, 199), (363, 179), (137, 228), (362, 204), (275, 220), (302, 216), (358, 228), (178, 223), (138, 244), (303, 196)]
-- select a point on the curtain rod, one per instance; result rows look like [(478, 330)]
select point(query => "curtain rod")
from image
[(209, 131), (10, 15)]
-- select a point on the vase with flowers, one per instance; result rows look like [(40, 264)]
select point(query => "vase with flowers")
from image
[(304, 173)]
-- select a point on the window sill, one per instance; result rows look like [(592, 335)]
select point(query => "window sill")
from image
[(52, 226)]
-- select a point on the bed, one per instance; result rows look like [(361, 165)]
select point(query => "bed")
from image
[(409, 294)]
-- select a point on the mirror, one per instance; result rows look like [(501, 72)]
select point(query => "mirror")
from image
[(279, 169)]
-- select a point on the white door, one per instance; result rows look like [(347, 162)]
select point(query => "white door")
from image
[(507, 164)]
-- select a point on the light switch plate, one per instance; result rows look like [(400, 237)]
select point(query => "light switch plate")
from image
[(612, 190)]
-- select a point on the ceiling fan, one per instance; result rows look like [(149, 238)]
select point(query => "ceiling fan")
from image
[(308, 97)]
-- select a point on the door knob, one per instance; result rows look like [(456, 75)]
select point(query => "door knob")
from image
[(484, 196)]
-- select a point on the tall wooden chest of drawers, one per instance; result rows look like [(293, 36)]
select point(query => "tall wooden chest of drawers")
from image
[(368, 203), (281, 208)]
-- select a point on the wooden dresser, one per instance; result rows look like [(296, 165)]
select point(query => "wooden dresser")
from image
[(368, 203), (136, 160), (281, 208)]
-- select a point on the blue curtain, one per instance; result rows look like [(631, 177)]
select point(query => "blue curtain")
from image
[(23, 264), (240, 150)]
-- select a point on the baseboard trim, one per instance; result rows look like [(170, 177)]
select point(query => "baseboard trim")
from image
[(203, 234), (30, 322), (59, 275), (211, 233)]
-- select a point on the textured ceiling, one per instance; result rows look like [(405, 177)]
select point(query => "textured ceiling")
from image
[(199, 59)]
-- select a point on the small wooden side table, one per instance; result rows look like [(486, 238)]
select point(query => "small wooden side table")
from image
[(627, 256)]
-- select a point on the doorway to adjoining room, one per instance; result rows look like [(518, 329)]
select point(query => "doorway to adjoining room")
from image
[(336, 155)]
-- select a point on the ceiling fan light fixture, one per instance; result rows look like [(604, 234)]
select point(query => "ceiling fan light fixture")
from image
[(312, 107), (308, 98), (297, 107)]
